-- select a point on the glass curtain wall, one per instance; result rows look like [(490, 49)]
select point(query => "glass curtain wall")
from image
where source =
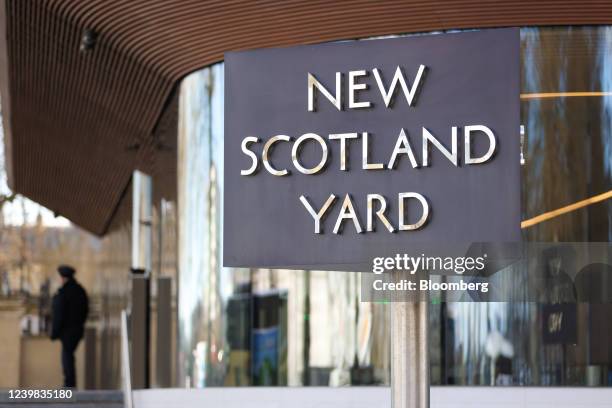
[(275, 327), (256, 326)]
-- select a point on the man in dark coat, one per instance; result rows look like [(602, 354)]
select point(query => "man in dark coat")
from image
[(70, 308)]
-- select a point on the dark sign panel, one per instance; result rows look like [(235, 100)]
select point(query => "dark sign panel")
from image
[(338, 153)]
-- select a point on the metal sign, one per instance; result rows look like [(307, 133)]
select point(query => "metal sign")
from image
[(341, 152)]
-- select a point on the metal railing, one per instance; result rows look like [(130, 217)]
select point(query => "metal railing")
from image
[(126, 377)]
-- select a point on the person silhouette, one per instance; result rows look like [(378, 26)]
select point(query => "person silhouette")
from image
[(70, 307)]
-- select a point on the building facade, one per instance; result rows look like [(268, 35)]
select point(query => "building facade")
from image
[(88, 97), (322, 334)]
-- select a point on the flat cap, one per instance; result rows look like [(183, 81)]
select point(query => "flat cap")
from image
[(66, 271)]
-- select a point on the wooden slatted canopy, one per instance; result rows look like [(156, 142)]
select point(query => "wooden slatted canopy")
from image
[(78, 123)]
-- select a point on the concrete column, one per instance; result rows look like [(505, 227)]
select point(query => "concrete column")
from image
[(91, 358), (409, 355), (163, 349), (140, 320), (11, 312)]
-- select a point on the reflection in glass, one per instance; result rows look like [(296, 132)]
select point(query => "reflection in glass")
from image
[(567, 159), (257, 326), (272, 327)]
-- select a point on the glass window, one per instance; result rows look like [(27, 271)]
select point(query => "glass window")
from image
[(275, 327)]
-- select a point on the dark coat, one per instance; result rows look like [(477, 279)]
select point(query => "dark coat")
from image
[(70, 308)]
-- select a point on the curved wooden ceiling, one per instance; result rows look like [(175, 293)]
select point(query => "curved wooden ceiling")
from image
[(78, 123)]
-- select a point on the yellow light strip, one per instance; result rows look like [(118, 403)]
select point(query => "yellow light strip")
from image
[(562, 95), (563, 210)]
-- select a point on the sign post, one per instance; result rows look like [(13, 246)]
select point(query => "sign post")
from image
[(410, 354), (339, 155)]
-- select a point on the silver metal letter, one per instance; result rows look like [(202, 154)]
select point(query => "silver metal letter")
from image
[(343, 152), (354, 87), (318, 216), (347, 212), (428, 137), (468, 149), (402, 146), (380, 213), (245, 149), (296, 149), (365, 155), (399, 77), (266, 151), (313, 82), (421, 221)]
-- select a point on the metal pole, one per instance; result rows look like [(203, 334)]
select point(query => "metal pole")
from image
[(409, 354)]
